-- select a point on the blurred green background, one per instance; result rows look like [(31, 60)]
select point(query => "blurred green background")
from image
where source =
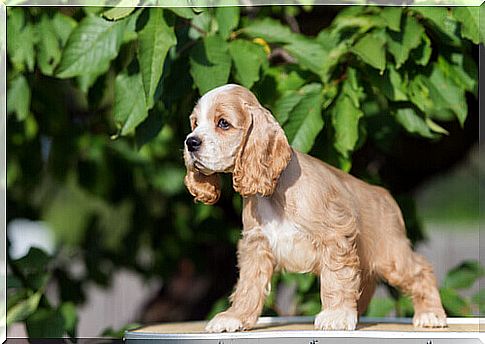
[(98, 102)]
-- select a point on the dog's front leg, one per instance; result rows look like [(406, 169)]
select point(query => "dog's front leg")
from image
[(256, 265), (340, 283)]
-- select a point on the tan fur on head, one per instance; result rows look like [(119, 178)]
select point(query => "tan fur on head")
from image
[(263, 156)]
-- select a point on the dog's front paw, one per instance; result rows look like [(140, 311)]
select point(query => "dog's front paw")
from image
[(224, 322), (429, 319), (336, 319)]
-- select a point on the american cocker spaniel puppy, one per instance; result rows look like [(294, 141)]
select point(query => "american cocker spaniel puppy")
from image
[(300, 215)]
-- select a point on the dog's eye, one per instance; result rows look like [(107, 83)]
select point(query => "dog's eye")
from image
[(223, 124)]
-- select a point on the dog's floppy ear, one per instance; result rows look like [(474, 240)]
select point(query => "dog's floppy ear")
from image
[(263, 155), (205, 189)]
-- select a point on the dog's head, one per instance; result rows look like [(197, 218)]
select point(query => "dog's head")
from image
[(233, 133)]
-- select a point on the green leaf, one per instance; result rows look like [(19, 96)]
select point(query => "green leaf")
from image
[(123, 9), (479, 299), (285, 104), (45, 323), (63, 25), (210, 63), (380, 307), (270, 30), (18, 97), (464, 275), (413, 123), (248, 59), (392, 17), (370, 49), (184, 12), (345, 121), (400, 44), (442, 22), (453, 303), (445, 92), (305, 120), (309, 54), (130, 105), (155, 39), (91, 47), (460, 68), (21, 39), (435, 127), (469, 17), (36, 260), (391, 84), (227, 20), (69, 314), (21, 310), (352, 87), (422, 53), (49, 51)]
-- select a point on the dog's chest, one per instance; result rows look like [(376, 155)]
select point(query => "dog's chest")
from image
[(291, 247)]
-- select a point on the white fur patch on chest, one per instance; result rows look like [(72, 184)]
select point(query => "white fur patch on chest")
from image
[(292, 249)]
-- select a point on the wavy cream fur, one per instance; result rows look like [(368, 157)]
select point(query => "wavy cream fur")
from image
[(302, 215)]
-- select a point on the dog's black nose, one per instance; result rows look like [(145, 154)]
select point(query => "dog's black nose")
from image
[(193, 143)]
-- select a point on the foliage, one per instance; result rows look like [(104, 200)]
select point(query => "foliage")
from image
[(98, 101)]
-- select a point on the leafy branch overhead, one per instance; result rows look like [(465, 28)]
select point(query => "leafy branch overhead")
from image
[(413, 64)]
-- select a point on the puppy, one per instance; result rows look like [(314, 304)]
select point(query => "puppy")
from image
[(300, 215)]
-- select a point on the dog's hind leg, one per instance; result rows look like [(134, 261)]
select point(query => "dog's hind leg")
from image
[(411, 273), (368, 287)]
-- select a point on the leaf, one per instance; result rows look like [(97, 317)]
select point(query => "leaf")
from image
[(69, 314), (400, 44), (155, 39), (479, 299), (391, 84), (469, 17), (446, 93), (345, 121), (305, 120), (18, 97), (352, 87), (442, 22), (36, 260), (91, 47), (210, 63), (21, 310), (184, 12), (49, 51), (130, 105), (392, 17), (63, 25), (45, 323), (285, 104), (380, 307), (227, 20), (422, 53), (453, 303), (370, 49), (270, 30), (435, 127), (413, 123), (21, 39), (309, 54), (248, 59), (460, 68), (464, 275), (121, 10)]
